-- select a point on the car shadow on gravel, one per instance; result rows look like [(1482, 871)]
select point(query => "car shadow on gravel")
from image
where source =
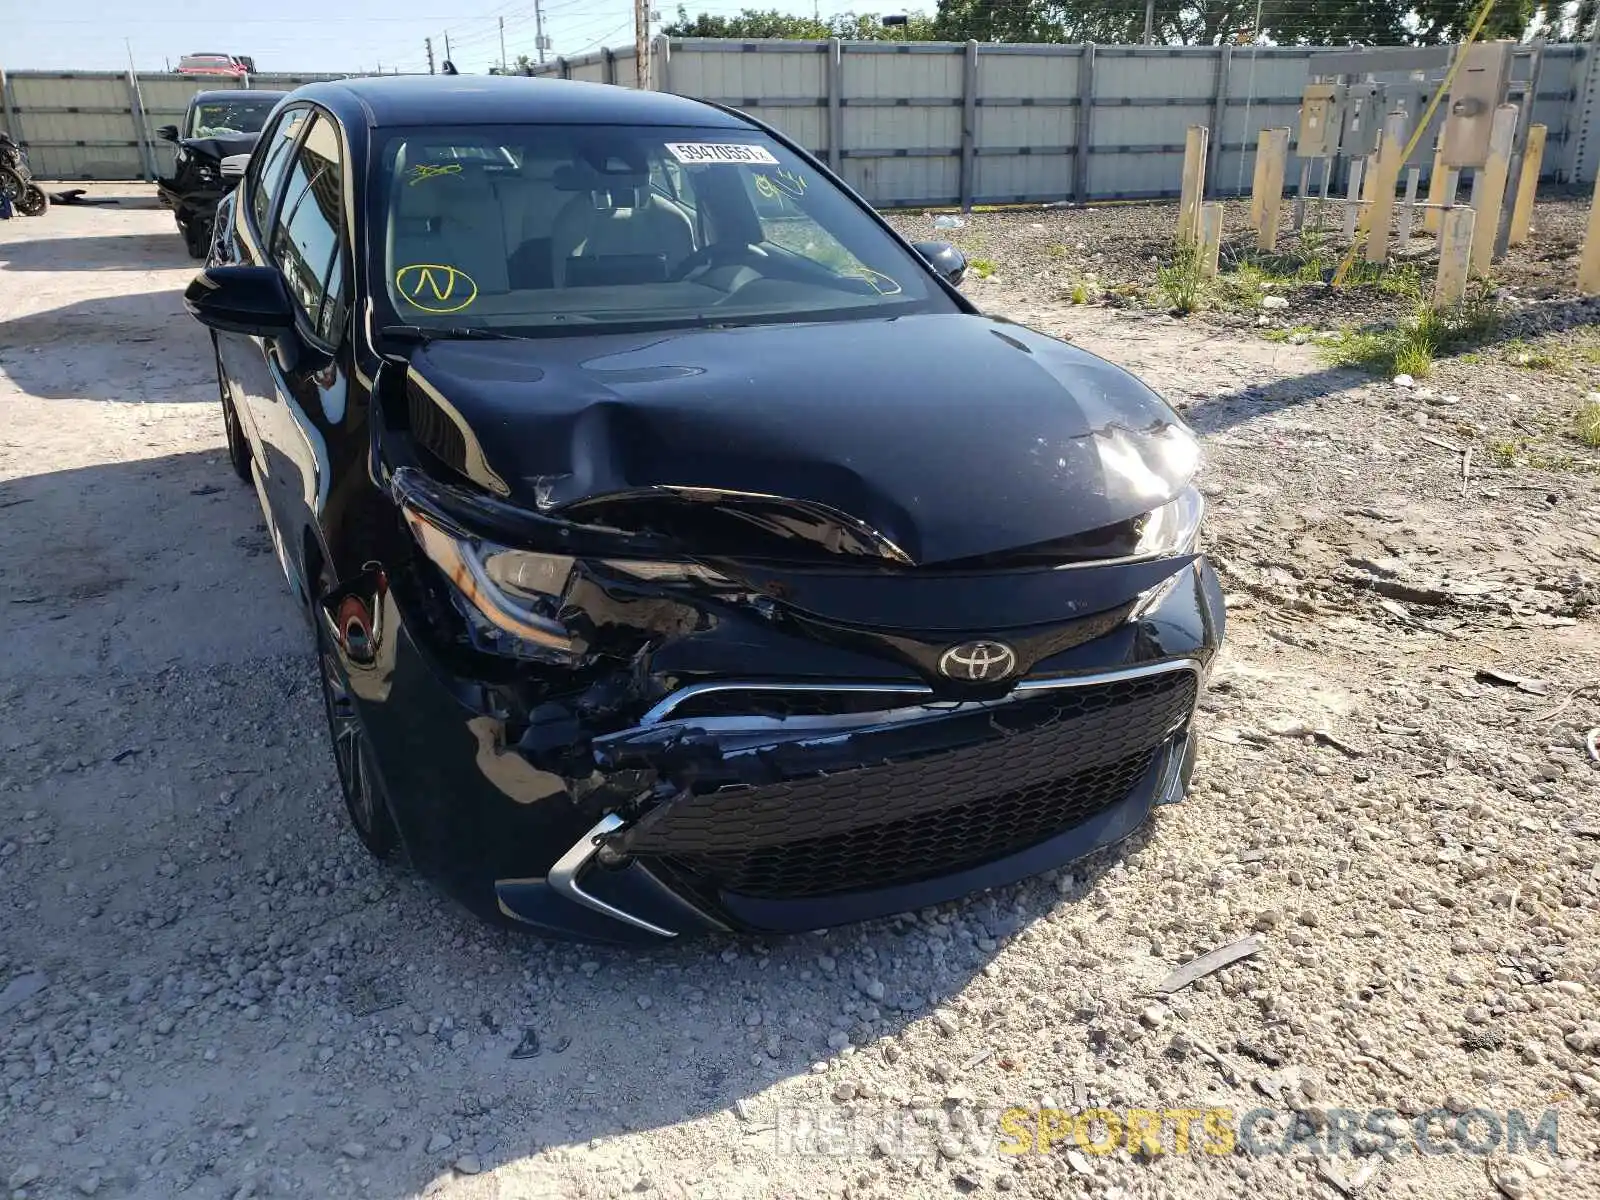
[(219, 896), (111, 252), (128, 348), (1223, 411)]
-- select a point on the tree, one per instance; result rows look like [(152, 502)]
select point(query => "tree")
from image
[(1449, 20), (770, 23)]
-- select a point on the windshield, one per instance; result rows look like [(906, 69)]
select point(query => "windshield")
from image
[(218, 118), (548, 228)]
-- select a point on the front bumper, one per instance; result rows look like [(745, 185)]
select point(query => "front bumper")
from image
[(712, 812)]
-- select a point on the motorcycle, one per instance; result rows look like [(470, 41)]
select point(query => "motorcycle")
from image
[(18, 191)]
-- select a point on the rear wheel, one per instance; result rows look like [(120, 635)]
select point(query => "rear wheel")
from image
[(12, 185), (364, 797)]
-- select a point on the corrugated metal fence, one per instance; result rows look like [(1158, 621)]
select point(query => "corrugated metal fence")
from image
[(942, 123), (102, 124), (906, 123)]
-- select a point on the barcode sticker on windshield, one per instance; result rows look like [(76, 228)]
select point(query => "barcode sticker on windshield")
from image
[(695, 153)]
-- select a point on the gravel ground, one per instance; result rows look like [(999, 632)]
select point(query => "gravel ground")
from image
[(206, 990), (1042, 254)]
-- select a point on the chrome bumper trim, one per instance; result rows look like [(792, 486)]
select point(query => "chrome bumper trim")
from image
[(563, 877), (663, 710)]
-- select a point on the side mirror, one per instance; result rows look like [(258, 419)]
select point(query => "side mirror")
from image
[(168, 133), (250, 300), (945, 259), (234, 165)]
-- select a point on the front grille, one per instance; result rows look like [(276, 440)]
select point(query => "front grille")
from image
[(1052, 761)]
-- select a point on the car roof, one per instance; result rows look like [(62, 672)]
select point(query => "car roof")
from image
[(235, 93), (509, 100)]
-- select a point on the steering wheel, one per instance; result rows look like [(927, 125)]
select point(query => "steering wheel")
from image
[(715, 254)]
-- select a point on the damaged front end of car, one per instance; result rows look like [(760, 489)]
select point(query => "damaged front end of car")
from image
[(638, 712)]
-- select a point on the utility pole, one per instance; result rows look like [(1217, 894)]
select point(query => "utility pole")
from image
[(1149, 22), (502, 45), (428, 42), (641, 44), (538, 29)]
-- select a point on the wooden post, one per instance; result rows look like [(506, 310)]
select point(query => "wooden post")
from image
[(1442, 184), (1273, 147), (1194, 182), (1352, 208), (1455, 256), (1408, 210), (1210, 239), (1589, 265), (1391, 157), (1258, 191), (1532, 163), (1487, 222), (1300, 196)]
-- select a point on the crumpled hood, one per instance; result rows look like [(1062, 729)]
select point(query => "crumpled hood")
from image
[(219, 148), (952, 436)]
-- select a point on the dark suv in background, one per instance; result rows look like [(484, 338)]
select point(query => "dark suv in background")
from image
[(216, 126)]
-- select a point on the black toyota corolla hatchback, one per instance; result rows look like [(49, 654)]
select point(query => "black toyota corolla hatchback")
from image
[(683, 551)]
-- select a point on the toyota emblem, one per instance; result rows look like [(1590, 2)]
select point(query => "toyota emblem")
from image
[(978, 662)]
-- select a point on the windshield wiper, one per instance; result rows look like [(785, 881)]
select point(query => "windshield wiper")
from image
[(459, 333)]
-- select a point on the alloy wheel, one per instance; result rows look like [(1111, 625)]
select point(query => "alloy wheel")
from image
[(363, 794)]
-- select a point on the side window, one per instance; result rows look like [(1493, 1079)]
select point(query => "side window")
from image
[(778, 196), (270, 163), (306, 244)]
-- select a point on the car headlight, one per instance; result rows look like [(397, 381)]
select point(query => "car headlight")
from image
[(1172, 529), (512, 597)]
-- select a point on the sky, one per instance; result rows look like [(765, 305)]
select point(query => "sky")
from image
[(331, 35)]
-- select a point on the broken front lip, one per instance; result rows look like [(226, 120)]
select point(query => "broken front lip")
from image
[(634, 903)]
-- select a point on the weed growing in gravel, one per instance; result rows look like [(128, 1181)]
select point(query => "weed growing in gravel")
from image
[(1533, 358), (1180, 280), (1056, 250), (982, 267), (1294, 332), (1410, 347), (1503, 454), (1586, 425), (1080, 293)]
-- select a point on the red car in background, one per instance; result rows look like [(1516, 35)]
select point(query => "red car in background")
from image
[(233, 66)]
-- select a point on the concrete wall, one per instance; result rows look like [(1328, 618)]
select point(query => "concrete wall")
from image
[(936, 123), (914, 123), (99, 125)]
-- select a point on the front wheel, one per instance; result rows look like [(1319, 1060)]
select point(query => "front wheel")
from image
[(363, 792), (34, 202), (238, 447), (196, 237)]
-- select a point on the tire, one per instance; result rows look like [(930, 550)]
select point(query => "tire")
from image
[(12, 185), (34, 202), (238, 446), (195, 238), (364, 798)]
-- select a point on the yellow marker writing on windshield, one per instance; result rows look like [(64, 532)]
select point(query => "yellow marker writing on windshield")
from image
[(435, 288), (430, 171), (789, 182), (877, 280)]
